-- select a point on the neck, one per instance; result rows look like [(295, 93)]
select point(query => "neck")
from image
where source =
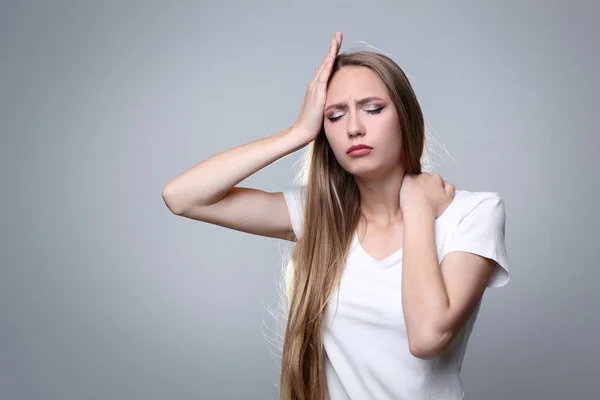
[(380, 197)]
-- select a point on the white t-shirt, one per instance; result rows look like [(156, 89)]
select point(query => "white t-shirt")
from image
[(365, 339)]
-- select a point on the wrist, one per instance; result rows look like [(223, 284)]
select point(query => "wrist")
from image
[(417, 210), (293, 137)]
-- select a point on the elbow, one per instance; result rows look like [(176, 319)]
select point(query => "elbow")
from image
[(170, 201), (424, 352), (428, 345)]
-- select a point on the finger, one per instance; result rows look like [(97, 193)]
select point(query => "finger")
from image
[(336, 44), (331, 53), (325, 72), (447, 186), (339, 37), (327, 60)]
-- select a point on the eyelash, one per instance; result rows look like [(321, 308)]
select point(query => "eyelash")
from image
[(374, 111)]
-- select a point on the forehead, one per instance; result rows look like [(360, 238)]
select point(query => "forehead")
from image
[(354, 82)]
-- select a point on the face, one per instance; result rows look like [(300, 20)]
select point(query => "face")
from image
[(358, 111)]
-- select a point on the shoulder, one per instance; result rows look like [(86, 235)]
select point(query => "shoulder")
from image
[(295, 192), (295, 198), (468, 198), (295, 201), (473, 212), (476, 224), (482, 203)]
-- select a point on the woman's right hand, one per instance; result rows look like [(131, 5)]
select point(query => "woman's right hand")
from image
[(309, 122)]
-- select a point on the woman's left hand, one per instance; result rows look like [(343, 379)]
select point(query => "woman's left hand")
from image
[(427, 192)]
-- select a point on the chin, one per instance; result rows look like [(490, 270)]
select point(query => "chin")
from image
[(364, 171), (369, 170)]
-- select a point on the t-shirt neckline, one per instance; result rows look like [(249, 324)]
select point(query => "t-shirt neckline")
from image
[(385, 262), (397, 255)]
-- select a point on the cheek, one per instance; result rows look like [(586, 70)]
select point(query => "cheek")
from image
[(335, 137), (388, 140), (387, 132)]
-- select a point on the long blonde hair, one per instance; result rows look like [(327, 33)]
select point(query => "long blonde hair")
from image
[(331, 215)]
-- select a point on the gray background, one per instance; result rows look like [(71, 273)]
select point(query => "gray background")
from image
[(106, 295)]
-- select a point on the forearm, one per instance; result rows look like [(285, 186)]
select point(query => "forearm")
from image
[(210, 180), (424, 296)]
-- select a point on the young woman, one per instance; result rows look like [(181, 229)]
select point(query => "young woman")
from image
[(390, 263)]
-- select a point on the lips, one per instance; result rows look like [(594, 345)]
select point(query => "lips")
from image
[(357, 147)]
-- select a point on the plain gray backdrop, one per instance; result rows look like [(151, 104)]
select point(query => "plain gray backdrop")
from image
[(104, 294)]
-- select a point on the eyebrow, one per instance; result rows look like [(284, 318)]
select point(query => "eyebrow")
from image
[(361, 101)]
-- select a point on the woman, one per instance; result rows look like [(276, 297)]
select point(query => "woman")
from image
[(390, 263)]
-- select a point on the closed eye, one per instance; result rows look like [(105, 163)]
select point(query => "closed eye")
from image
[(335, 117), (375, 111)]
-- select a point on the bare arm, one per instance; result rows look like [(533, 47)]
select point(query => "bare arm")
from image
[(207, 192)]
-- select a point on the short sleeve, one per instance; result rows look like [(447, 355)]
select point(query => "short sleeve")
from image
[(294, 199), (482, 231)]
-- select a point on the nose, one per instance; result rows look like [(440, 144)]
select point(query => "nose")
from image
[(355, 127)]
